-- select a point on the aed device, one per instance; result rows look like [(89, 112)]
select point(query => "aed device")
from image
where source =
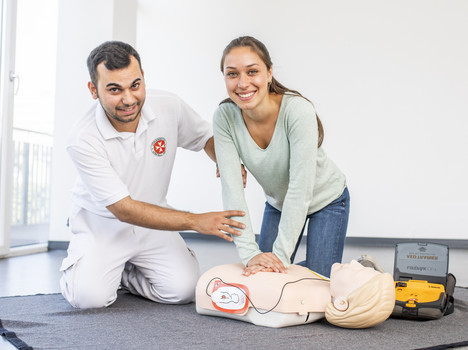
[(423, 287)]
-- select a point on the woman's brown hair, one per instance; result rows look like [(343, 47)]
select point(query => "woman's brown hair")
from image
[(275, 86)]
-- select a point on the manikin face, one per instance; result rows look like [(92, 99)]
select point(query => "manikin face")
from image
[(246, 77), (345, 278), (121, 93)]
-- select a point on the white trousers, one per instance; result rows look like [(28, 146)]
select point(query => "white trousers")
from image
[(105, 253)]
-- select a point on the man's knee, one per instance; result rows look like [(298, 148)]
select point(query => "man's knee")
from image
[(182, 292), (181, 287), (86, 295)]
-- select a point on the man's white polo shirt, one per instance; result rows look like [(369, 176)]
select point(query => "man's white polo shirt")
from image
[(112, 165)]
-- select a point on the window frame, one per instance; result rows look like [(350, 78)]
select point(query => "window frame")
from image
[(7, 85)]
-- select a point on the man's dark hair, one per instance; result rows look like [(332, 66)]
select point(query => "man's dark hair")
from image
[(114, 54)]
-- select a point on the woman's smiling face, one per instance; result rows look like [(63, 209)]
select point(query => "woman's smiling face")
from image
[(246, 77)]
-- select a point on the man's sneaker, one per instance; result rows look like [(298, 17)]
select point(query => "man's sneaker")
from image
[(369, 261)]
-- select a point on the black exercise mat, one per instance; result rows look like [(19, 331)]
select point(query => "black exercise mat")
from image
[(49, 322)]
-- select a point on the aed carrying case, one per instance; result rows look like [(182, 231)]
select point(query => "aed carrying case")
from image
[(423, 287)]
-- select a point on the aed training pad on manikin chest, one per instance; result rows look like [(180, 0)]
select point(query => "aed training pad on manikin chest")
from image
[(232, 298), (265, 298)]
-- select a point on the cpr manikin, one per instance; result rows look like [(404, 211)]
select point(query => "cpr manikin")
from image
[(354, 297)]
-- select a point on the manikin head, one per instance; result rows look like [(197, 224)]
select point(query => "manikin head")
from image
[(361, 296)]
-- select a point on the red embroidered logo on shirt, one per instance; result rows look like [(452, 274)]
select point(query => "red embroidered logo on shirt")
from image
[(158, 147)]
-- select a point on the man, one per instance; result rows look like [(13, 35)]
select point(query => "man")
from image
[(124, 150)]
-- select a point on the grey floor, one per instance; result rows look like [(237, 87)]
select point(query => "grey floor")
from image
[(39, 274)]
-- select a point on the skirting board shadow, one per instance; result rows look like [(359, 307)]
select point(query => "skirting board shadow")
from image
[(49, 322)]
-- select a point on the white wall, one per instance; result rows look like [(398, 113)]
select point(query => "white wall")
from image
[(82, 26), (389, 80)]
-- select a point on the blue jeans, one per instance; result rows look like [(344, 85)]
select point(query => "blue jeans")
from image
[(326, 232)]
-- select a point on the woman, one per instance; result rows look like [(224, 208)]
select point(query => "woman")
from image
[(275, 133)]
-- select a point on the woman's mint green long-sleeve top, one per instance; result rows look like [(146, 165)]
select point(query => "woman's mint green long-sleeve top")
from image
[(297, 177)]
